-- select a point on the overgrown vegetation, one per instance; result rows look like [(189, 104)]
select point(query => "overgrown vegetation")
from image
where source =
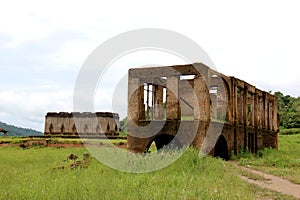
[(37, 173), (284, 162), (289, 111), (33, 174), (189, 177)]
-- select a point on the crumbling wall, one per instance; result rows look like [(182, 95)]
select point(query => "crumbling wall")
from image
[(195, 93), (85, 123)]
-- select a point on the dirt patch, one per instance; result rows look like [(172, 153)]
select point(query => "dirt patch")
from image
[(72, 162), (33, 143)]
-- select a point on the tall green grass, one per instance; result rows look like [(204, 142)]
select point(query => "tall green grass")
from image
[(284, 162), (33, 174)]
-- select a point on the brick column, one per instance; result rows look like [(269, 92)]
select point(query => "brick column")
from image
[(173, 107), (234, 101), (263, 114), (134, 99), (275, 117), (202, 102), (266, 112), (230, 103), (256, 110), (142, 114), (245, 106), (158, 102), (245, 111)]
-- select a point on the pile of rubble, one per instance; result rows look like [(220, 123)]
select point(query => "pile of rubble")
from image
[(72, 162)]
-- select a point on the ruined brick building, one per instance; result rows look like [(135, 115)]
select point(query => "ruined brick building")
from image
[(86, 123), (3, 131), (193, 104)]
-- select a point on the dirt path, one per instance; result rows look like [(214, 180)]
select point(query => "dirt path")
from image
[(273, 183)]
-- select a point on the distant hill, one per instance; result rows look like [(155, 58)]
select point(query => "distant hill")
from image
[(18, 131)]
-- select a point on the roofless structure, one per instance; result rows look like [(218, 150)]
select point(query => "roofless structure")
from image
[(195, 105), (81, 123)]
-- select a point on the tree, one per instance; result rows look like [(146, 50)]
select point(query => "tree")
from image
[(289, 110), (123, 125)]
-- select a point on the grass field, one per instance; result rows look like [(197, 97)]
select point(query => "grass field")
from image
[(36, 173), (284, 162)]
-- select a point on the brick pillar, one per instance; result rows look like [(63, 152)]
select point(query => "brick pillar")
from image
[(266, 112), (142, 114), (275, 117), (245, 106), (173, 107), (134, 99), (251, 101), (263, 114), (158, 102), (202, 102), (245, 111), (240, 108), (271, 114), (234, 101), (222, 100), (256, 110), (256, 120), (230, 100)]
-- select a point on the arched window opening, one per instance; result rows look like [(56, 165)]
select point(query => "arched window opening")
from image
[(163, 141), (221, 148), (86, 128), (149, 100), (62, 129), (219, 98), (108, 129), (74, 130), (98, 129), (51, 128), (187, 97)]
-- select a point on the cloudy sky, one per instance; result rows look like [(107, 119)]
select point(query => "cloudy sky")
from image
[(43, 45)]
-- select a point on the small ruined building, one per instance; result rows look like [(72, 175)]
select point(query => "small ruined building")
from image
[(193, 104), (85, 123), (3, 131)]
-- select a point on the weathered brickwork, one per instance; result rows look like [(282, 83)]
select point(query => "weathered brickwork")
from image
[(175, 101), (85, 123)]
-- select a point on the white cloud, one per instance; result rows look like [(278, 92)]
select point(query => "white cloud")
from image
[(74, 52), (44, 43), (31, 107)]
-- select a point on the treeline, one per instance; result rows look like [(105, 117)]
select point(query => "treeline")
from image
[(289, 111), (18, 131)]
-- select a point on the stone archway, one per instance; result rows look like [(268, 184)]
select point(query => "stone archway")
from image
[(221, 148), (164, 141)]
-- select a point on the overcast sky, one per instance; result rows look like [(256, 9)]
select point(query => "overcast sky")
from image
[(43, 45)]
